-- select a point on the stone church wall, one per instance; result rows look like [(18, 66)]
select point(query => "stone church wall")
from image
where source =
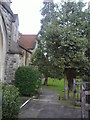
[(13, 53), (13, 62), (8, 23)]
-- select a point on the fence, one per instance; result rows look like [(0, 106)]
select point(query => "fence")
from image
[(77, 91), (84, 106)]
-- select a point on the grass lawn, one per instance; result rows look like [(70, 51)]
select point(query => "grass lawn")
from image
[(58, 85)]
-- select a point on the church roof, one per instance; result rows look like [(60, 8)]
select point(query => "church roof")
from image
[(27, 42)]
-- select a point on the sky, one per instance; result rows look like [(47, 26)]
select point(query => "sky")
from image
[(29, 14)]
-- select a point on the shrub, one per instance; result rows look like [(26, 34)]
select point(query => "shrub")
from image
[(27, 79), (10, 101)]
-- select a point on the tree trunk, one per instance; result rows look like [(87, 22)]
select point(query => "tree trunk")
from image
[(65, 87), (70, 85), (71, 74), (45, 81)]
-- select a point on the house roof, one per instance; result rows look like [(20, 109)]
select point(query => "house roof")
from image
[(27, 42)]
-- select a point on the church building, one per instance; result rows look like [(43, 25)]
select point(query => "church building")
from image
[(15, 48), (10, 52)]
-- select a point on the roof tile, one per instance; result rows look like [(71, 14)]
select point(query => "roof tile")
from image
[(27, 42)]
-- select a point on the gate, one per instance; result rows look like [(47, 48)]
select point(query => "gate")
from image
[(77, 91), (85, 106)]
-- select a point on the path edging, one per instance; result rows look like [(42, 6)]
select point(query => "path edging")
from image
[(33, 97)]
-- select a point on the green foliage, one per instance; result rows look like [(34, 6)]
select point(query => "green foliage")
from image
[(10, 101), (64, 39), (47, 12), (45, 64), (67, 40), (27, 79), (46, 67), (87, 53), (58, 85), (39, 59)]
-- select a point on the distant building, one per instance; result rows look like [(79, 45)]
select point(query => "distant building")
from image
[(28, 44)]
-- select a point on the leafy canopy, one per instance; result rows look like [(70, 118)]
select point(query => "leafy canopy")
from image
[(63, 39)]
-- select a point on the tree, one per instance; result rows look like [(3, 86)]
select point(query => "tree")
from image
[(64, 39), (40, 60), (87, 32), (41, 54), (72, 39)]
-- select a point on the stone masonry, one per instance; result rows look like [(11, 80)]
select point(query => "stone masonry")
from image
[(11, 53)]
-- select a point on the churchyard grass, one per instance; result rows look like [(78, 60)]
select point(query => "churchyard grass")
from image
[(58, 85)]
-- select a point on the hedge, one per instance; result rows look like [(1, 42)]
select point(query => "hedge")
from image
[(10, 101), (27, 79)]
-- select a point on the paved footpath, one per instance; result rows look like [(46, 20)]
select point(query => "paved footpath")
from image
[(47, 106)]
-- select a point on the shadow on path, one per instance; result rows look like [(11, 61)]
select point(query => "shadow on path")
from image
[(47, 106)]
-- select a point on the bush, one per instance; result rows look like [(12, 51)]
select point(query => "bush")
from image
[(10, 101), (27, 79)]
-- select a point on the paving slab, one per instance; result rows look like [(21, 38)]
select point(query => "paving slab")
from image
[(47, 106)]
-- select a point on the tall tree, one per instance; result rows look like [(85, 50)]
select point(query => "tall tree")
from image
[(40, 60), (87, 53), (64, 40), (41, 55), (72, 20)]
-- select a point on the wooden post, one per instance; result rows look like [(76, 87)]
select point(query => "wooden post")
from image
[(78, 93), (83, 102), (89, 100), (65, 87), (81, 93), (74, 91)]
